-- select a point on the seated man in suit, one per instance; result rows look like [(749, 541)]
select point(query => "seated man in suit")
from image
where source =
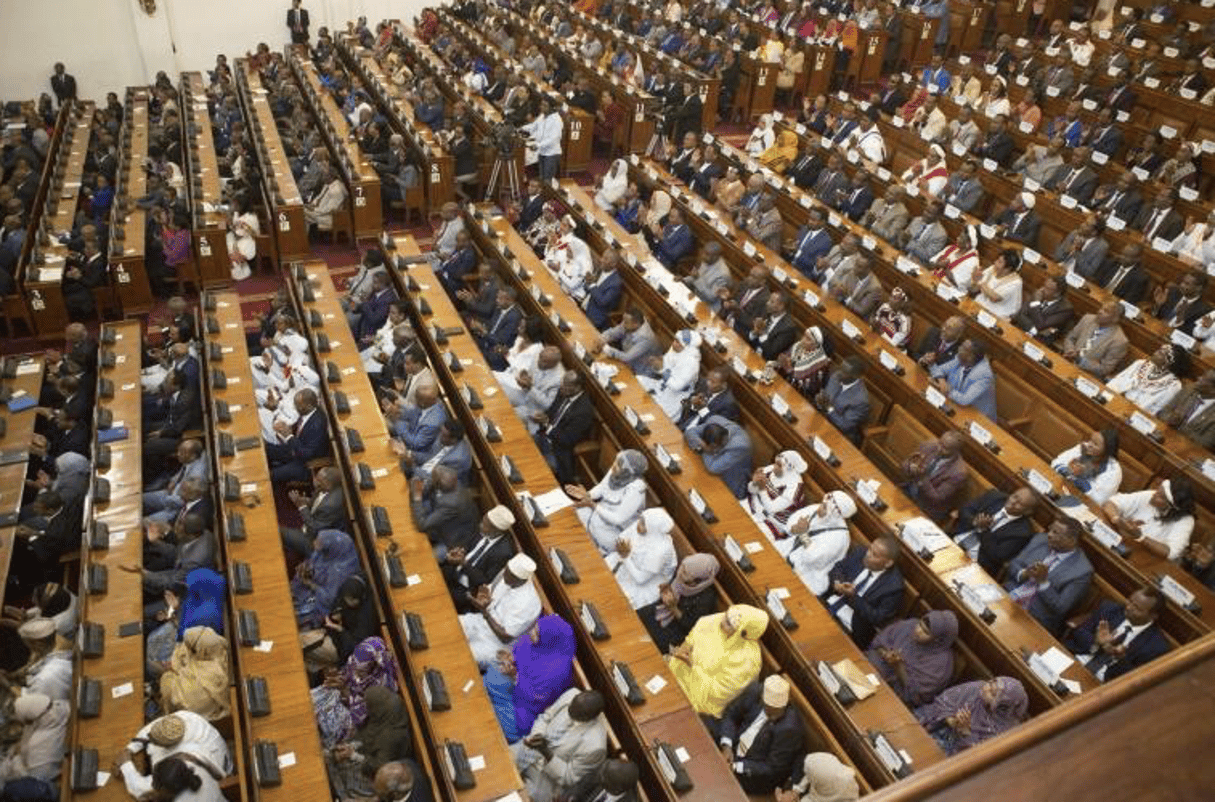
[(454, 267), (712, 396), (1182, 306), (967, 379), (939, 345), (1192, 411), (450, 449), (416, 428), (565, 424), (710, 279), (604, 289), (747, 301), (1019, 222), (298, 445), (1124, 275), (1076, 178), (1051, 575), (631, 342), (936, 476), (925, 236), (531, 206), (326, 509), (994, 527), (1115, 639), (1047, 313), (616, 781), (533, 388), (772, 333), (373, 312), (195, 500), (444, 510), (811, 242), (1160, 220), (845, 399), (761, 735), (481, 303), (964, 189), (673, 241), (866, 590), (476, 553), (192, 464), (725, 447), (1097, 343), (181, 411), (859, 288), (567, 742), (497, 336)]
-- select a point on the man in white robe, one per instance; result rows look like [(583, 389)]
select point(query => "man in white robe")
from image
[(184, 734), (506, 608)]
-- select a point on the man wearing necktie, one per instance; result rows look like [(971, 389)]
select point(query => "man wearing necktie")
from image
[(616, 781), (866, 589), (1116, 639), (812, 242), (1182, 306), (497, 336), (1192, 411), (1160, 221), (1051, 575), (565, 424)]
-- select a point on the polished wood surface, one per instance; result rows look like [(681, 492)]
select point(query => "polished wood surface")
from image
[(210, 223), (18, 430), (128, 222)]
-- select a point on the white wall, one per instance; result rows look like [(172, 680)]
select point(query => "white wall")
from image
[(111, 44)]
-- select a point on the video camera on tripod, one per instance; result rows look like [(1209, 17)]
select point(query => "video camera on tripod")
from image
[(505, 138)]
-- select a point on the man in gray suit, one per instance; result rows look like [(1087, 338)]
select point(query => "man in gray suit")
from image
[(964, 189), (1051, 575), (726, 449), (859, 289), (1083, 250), (1097, 343), (1192, 411), (1076, 178), (450, 449), (924, 236), (325, 510), (444, 509), (845, 400), (711, 278), (832, 182), (632, 342), (887, 217)]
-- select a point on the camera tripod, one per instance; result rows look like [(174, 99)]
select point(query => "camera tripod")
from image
[(508, 162)]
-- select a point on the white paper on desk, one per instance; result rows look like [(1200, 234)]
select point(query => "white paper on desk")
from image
[(656, 684), (287, 760), (103, 777), (1071, 685), (264, 646), (780, 593), (990, 593), (476, 762), (26, 368), (929, 533), (1057, 660), (119, 691), (553, 501)]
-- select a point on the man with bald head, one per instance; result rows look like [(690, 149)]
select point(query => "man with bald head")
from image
[(326, 509), (402, 781), (616, 781), (295, 445), (939, 345), (192, 464), (995, 526), (936, 476), (416, 428)]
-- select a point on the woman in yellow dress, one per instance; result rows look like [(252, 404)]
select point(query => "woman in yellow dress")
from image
[(720, 657)]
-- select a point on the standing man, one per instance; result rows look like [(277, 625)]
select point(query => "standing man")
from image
[(63, 84), (297, 23)]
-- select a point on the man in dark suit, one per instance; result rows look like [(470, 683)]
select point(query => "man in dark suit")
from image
[(1051, 575), (481, 304), (832, 181), (325, 510), (964, 189), (688, 116), (1160, 220), (1048, 313), (1076, 178), (936, 476), (712, 396), (704, 174), (749, 300), (761, 735), (1124, 275), (297, 445), (63, 84), (939, 345), (297, 23), (997, 144), (402, 780), (1121, 96), (180, 412), (604, 290), (466, 569), (774, 332), (614, 781), (1083, 250), (533, 205), (373, 312), (445, 510), (565, 424), (845, 399), (855, 202), (1019, 222), (673, 241), (452, 270), (497, 336), (806, 169), (1182, 306), (1104, 137), (1116, 639), (1192, 411), (866, 589), (812, 242), (994, 527), (36, 551), (1121, 198)]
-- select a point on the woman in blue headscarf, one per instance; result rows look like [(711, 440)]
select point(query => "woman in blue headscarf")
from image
[(318, 579), (198, 603), (530, 677)]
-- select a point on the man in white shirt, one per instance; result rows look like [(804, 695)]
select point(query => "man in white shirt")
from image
[(1115, 639), (504, 610), (445, 237), (531, 392), (38, 753), (545, 134), (184, 734), (49, 669), (867, 138)]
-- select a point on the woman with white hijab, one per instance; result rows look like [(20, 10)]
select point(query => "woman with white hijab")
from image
[(612, 185), (762, 138), (644, 557), (570, 258), (819, 535), (824, 779), (611, 506), (775, 492), (677, 375)]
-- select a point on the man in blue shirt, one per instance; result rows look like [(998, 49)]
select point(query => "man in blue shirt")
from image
[(967, 379)]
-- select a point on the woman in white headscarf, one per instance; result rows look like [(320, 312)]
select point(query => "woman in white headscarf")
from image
[(611, 506), (656, 210), (762, 138), (676, 375), (775, 492), (644, 557), (570, 258), (819, 536), (612, 185), (824, 779)]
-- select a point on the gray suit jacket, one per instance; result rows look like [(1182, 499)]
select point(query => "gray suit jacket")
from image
[(632, 348), (330, 513), (847, 409), (1066, 583), (1082, 186), (862, 297), (1090, 258), (924, 245), (888, 220), (963, 195), (1201, 427), (1105, 353), (448, 518)]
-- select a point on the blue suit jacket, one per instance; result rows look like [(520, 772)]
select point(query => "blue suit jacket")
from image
[(675, 244), (806, 251), (603, 298), (459, 459), (309, 443), (501, 328), (733, 463), (1147, 645), (1067, 582), (855, 208), (419, 428), (941, 78), (374, 313), (974, 389), (454, 268)]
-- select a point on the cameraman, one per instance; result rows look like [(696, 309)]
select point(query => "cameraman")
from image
[(545, 135)]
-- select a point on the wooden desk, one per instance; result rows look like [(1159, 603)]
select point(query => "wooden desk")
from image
[(42, 281), (282, 196), (471, 719), (360, 176), (816, 634), (577, 134), (629, 643), (128, 222), (121, 667), (18, 430), (440, 185), (211, 262), (291, 723)]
